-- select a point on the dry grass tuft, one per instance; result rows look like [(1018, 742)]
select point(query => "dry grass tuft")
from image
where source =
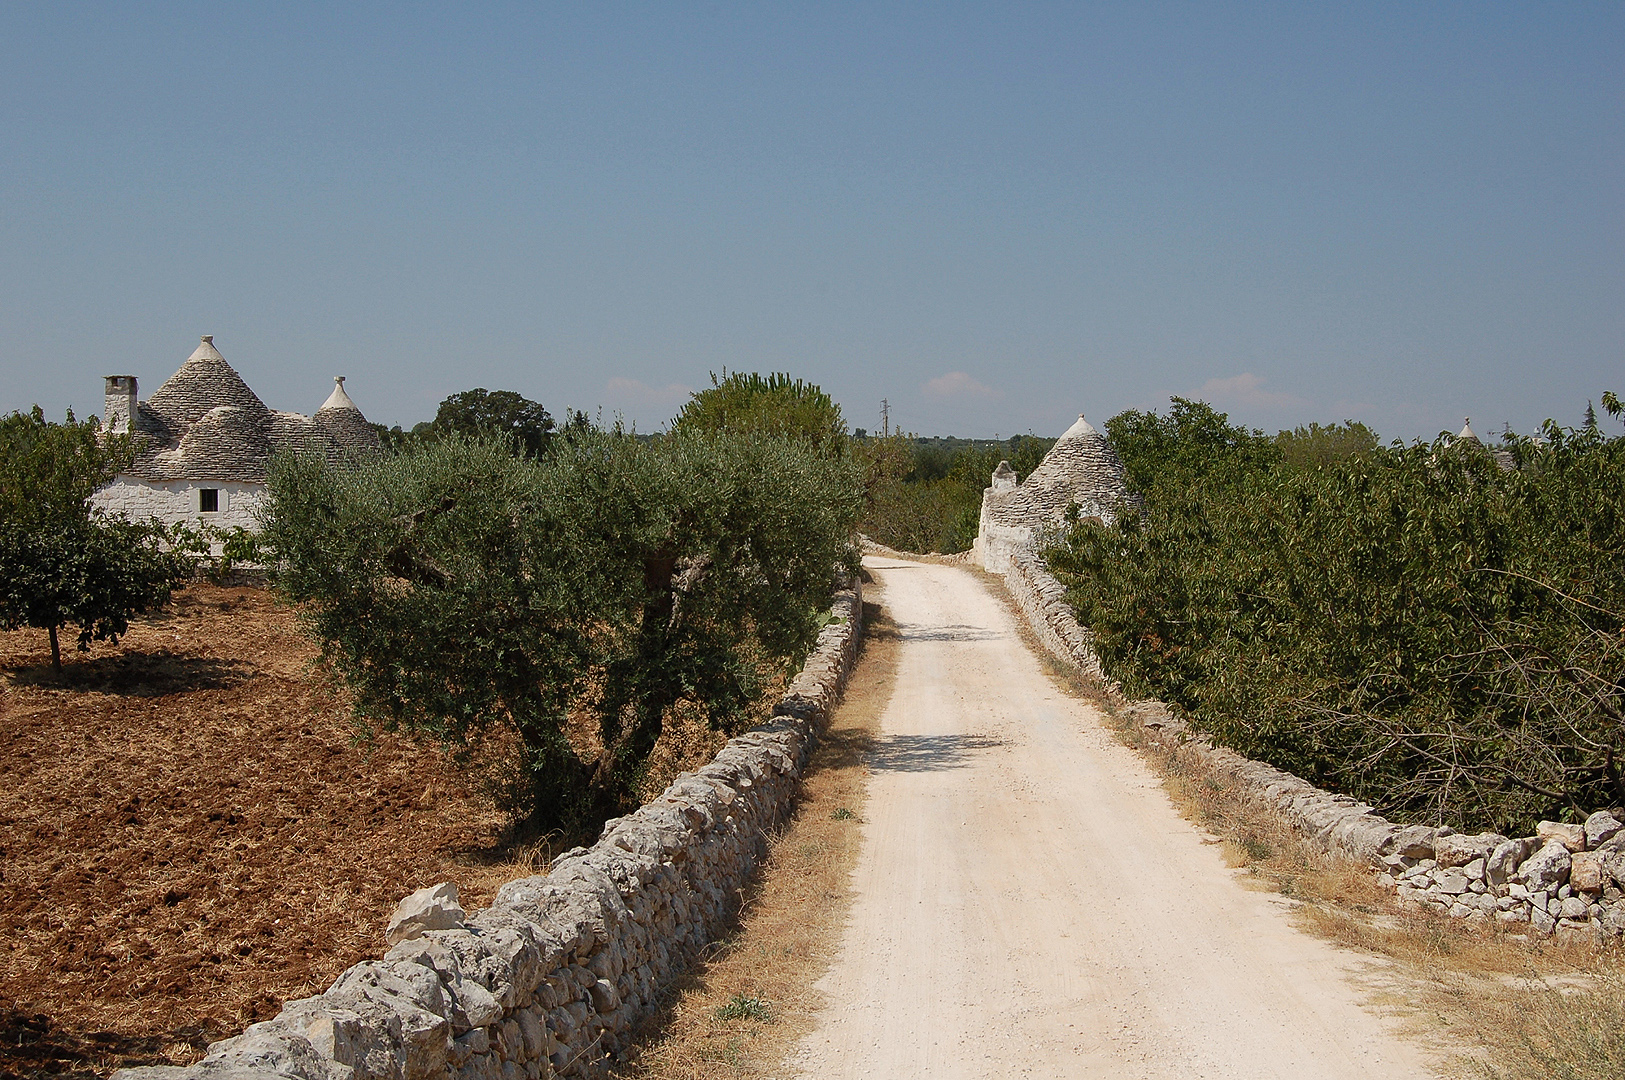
[(741, 1012)]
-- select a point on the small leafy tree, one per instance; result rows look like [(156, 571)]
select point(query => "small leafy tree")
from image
[(1314, 445), (60, 562), (1192, 445), (770, 405), (460, 590), (495, 412)]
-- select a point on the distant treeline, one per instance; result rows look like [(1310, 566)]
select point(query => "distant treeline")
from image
[(926, 493)]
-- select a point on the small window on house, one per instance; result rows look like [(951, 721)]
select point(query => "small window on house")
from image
[(208, 500)]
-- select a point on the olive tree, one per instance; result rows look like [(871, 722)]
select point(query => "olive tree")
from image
[(773, 404), (459, 590)]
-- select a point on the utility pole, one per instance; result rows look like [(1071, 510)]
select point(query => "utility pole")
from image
[(885, 418)]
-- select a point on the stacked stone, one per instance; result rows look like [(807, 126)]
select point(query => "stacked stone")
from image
[(204, 423), (553, 976), (1567, 880), (1042, 599)]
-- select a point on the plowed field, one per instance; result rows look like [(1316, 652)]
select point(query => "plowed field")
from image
[(189, 835)]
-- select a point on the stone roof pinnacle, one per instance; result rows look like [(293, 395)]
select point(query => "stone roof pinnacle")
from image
[(338, 399)]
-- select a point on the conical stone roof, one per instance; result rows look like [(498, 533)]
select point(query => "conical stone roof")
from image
[(204, 382), (343, 423), (204, 423), (1081, 469)]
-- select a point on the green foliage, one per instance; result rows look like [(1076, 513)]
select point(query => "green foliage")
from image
[(926, 494), (471, 413), (61, 563), (237, 547), (1192, 445), (772, 404), (49, 471), (396, 440), (1415, 626), (501, 413), (1316, 445), (746, 1007), (461, 591)]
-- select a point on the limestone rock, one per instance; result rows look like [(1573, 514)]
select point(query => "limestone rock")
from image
[(1585, 872), (432, 908), (1602, 827), (1546, 868), (1572, 837), (1459, 850), (1504, 860), (1574, 908), (1412, 842)]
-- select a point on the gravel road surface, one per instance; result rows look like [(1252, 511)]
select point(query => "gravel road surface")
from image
[(1029, 903)]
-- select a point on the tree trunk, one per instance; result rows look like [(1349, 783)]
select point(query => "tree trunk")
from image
[(56, 652), (629, 740)]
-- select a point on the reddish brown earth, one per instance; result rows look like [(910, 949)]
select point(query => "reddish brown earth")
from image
[(190, 834)]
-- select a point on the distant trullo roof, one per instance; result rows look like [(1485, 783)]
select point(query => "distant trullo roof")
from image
[(1080, 468), (204, 423)]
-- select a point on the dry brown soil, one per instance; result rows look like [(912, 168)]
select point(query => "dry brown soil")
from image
[(189, 835)]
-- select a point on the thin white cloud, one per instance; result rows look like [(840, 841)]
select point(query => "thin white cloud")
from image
[(625, 393), (1248, 389), (958, 384)]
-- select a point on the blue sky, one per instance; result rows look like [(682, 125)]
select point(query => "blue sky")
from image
[(995, 216)]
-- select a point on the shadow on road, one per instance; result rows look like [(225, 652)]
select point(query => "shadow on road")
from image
[(928, 753), (949, 632)]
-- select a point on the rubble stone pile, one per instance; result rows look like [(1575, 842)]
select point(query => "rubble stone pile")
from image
[(554, 975)]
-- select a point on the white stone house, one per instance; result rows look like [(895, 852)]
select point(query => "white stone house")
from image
[(204, 441), (1081, 468)]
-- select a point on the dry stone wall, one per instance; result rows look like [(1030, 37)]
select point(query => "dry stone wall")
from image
[(553, 976), (1567, 880)]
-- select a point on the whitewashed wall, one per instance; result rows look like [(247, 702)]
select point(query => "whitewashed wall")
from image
[(176, 501)]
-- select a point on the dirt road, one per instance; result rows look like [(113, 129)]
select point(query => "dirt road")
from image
[(1028, 902)]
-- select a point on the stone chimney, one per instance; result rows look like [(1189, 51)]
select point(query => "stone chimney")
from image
[(120, 408), (1004, 477)]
